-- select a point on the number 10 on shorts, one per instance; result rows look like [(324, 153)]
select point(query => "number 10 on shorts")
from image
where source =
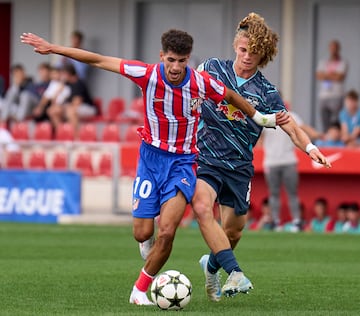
[(142, 188)]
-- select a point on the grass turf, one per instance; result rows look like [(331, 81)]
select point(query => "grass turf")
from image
[(89, 270)]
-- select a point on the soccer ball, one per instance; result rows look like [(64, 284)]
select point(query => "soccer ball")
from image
[(171, 290)]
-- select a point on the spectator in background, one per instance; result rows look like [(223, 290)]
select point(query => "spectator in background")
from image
[(321, 219), (82, 69), (20, 98), (6, 144), (265, 222), (337, 224), (332, 137), (44, 77), (352, 224), (56, 93), (331, 74), (280, 168), (290, 227), (350, 119), (77, 106)]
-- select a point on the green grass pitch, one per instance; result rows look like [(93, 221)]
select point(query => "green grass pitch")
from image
[(90, 270)]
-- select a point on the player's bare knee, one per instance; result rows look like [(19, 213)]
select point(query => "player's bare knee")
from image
[(165, 237), (233, 234), (202, 211), (142, 235)]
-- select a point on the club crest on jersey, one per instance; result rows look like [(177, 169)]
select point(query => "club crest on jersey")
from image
[(252, 100), (135, 204), (231, 112), (196, 102)]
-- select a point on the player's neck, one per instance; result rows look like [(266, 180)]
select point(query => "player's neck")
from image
[(244, 73)]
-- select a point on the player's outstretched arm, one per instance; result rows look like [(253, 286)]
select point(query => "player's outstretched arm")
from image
[(266, 120), (43, 47), (302, 141)]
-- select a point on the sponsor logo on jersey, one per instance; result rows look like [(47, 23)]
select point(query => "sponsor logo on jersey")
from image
[(231, 112)]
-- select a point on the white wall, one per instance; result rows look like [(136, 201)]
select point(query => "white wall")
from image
[(29, 16), (108, 30)]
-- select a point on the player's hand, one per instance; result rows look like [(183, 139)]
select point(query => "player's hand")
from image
[(317, 156), (282, 118), (40, 45)]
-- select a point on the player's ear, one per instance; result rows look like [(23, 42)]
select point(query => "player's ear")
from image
[(161, 55)]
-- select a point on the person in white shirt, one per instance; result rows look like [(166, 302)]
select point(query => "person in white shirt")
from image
[(6, 144), (280, 166), (57, 92), (331, 74)]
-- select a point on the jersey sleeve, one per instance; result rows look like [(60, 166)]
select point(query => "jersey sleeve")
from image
[(216, 90), (135, 70), (274, 103)]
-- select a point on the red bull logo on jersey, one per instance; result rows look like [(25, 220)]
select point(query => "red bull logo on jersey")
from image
[(231, 112)]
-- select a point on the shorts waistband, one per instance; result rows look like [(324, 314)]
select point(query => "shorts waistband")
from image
[(164, 152)]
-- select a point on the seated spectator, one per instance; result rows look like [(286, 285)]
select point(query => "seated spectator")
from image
[(20, 98), (352, 224), (82, 69), (297, 226), (349, 118), (77, 106), (6, 143), (332, 137), (56, 93), (319, 223), (44, 77), (336, 225), (266, 221)]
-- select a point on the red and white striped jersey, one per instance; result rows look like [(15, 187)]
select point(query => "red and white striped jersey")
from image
[(172, 112)]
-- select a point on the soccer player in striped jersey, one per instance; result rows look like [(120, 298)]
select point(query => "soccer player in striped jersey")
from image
[(225, 141), (165, 180)]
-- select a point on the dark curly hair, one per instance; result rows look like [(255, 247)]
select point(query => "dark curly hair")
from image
[(262, 39), (177, 41)]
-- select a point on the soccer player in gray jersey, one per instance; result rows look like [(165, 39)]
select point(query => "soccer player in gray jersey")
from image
[(226, 138)]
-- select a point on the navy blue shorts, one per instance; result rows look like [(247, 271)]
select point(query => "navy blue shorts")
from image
[(232, 186), (160, 175)]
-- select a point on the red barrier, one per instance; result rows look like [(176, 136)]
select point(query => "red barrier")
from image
[(341, 183)]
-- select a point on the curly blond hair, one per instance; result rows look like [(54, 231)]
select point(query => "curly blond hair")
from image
[(262, 39)]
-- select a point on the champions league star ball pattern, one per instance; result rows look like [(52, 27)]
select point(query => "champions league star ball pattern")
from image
[(171, 290)]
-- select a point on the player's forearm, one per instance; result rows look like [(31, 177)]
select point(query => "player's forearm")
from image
[(336, 76), (239, 102), (301, 140), (76, 53), (93, 59)]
